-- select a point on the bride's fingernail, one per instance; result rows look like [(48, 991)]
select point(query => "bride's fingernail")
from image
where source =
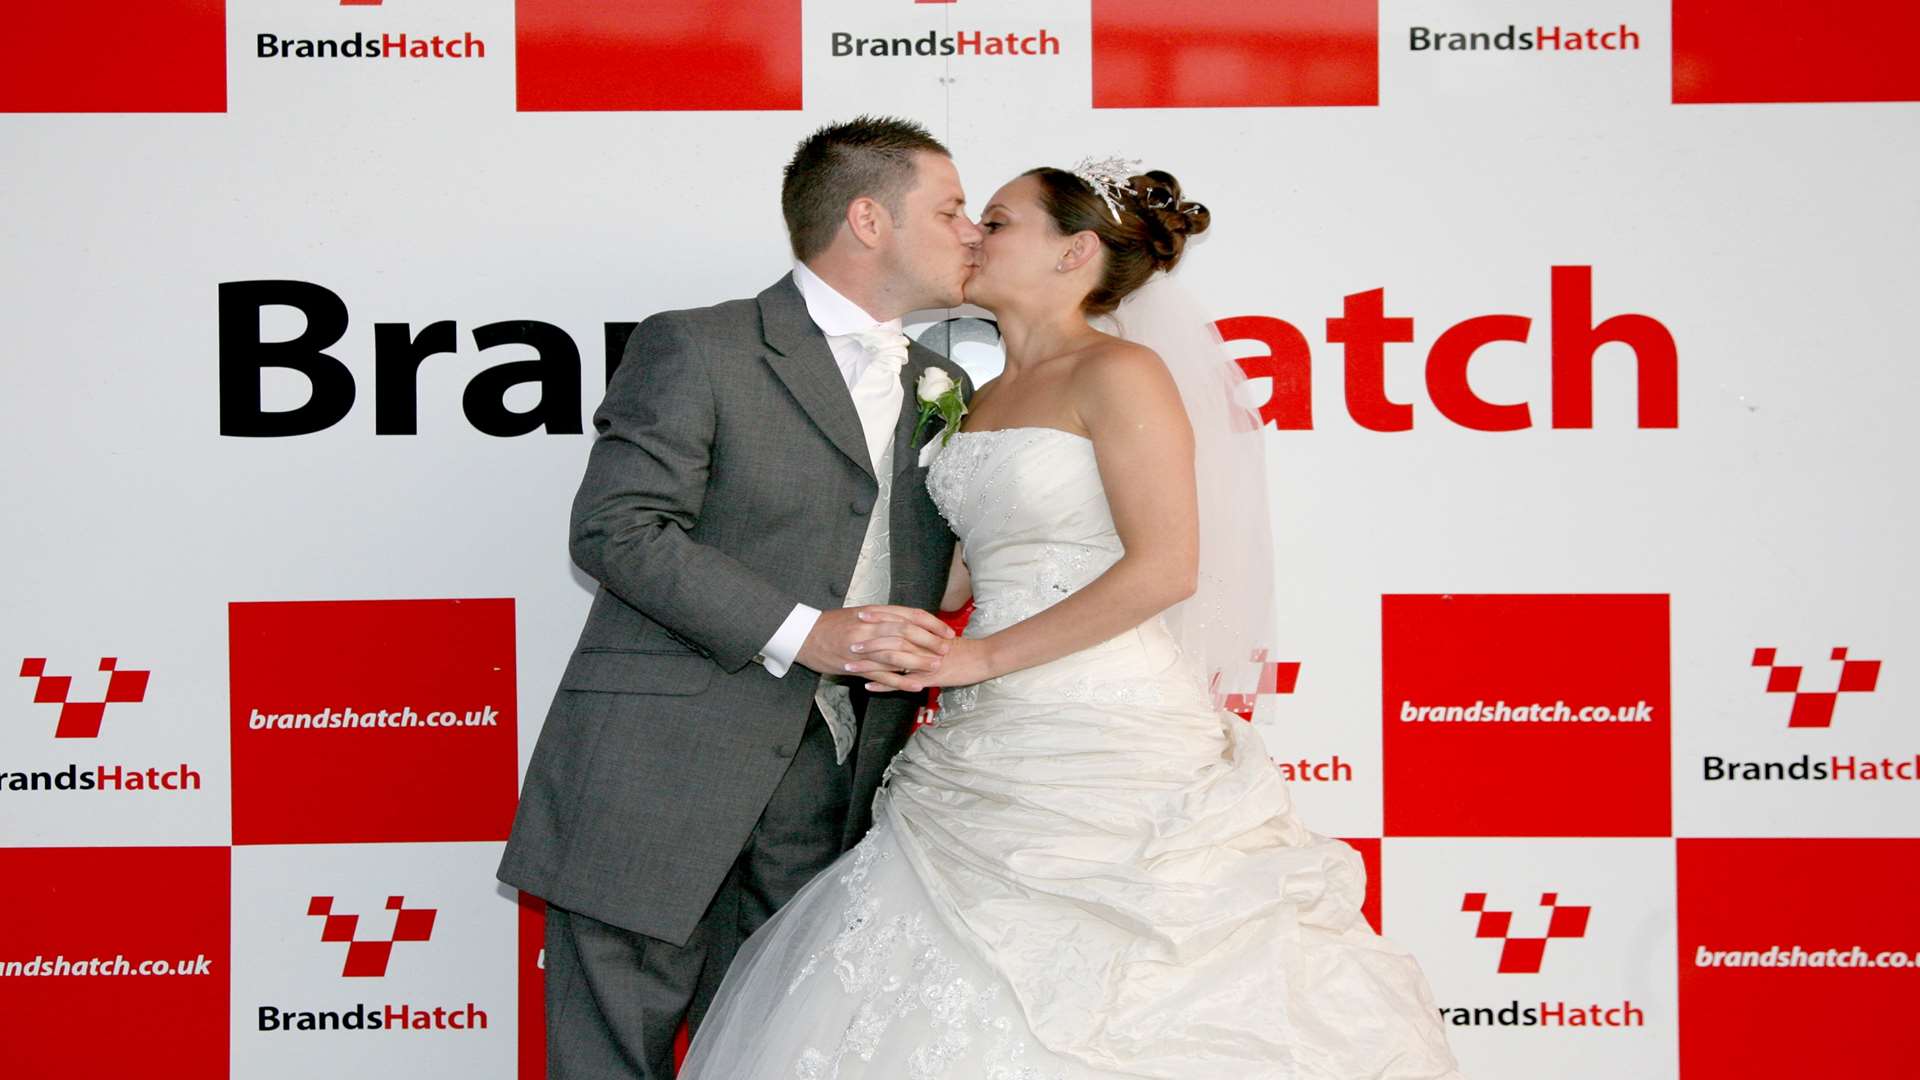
[(851, 667), (856, 647)]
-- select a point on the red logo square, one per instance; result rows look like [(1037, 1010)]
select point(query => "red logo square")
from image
[(1153, 55), (373, 721), (1523, 955), (1794, 51), (1814, 942), (159, 56), (725, 54), (1535, 715), (128, 941), (81, 719)]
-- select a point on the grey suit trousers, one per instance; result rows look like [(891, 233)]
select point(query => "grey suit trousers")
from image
[(616, 998)]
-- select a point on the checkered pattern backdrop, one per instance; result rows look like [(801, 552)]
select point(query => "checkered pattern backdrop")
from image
[(1581, 330)]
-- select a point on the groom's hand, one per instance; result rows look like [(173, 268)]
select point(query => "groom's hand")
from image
[(857, 639)]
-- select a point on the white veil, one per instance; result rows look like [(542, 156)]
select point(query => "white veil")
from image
[(1230, 614)]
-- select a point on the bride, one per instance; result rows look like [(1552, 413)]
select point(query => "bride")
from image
[(1085, 868)]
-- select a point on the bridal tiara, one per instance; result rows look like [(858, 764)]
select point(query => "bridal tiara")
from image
[(1110, 176), (1107, 177)]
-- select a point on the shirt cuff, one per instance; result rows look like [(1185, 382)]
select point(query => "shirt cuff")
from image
[(778, 653)]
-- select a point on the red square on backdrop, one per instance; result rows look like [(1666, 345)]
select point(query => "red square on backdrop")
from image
[(1814, 894), (159, 56), (1794, 51), (651, 55), (1493, 655), (429, 751), (530, 959), (122, 907), (1369, 849), (1153, 55)]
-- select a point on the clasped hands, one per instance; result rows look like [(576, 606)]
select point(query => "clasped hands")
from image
[(895, 648)]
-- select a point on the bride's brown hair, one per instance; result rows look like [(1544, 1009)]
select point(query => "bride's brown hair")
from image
[(1150, 235)]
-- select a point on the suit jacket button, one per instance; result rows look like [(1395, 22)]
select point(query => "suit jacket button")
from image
[(861, 506), (837, 589), (782, 751)]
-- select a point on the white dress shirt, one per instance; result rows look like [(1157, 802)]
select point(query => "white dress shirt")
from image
[(838, 318)]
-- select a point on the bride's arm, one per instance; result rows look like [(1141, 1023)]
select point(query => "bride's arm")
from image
[(959, 581), (1144, 447)]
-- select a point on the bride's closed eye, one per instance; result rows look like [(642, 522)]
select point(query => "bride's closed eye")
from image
[(991, 226)]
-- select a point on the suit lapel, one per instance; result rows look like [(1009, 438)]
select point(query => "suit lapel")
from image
[(800, 358), (906, 486), (905, 454)]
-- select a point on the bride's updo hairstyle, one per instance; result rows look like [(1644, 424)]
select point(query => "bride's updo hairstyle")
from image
[(1150, 235)]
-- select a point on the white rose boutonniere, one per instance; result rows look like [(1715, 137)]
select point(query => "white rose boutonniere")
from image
[(938, 392)]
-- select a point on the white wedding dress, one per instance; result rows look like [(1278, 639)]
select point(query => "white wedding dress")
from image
[(1082, 870)]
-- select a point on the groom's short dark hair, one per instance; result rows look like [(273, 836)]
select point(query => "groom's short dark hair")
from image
[(867, 155)]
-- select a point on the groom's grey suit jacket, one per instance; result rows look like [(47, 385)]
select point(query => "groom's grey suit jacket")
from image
[(730, 479)]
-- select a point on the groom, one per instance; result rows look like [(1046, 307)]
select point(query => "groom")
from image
[(756, 514)]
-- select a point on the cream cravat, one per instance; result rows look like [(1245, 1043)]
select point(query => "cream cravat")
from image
[(875, 393), (877, 396)]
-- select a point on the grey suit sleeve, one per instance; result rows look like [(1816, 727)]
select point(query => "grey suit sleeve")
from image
[(646, 480)]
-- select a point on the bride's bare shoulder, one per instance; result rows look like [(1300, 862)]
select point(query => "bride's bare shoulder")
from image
[(1114, 363), (1117, 376), (1109, 349)]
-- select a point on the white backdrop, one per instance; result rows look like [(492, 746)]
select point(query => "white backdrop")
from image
[(1773, 242)]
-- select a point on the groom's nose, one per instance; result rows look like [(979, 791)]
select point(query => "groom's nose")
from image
[(970, 233)]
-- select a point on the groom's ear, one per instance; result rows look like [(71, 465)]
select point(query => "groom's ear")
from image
[(868, 221)]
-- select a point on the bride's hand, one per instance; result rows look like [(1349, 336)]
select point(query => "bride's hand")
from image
[(966, 663)]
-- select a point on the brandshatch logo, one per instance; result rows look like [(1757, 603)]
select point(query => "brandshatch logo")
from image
[(1364, 330), (368, 959), (1280, 355), (1551, 39), (364, 46), (1522, 955), (938, 43), (1814, 709), (81, 719), (934, 43)]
